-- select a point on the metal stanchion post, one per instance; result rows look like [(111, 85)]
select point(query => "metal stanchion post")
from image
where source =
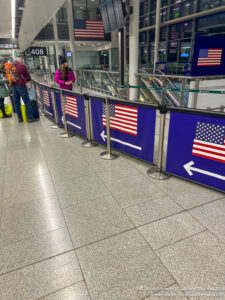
[(65, 134), (55, 112), (156, 172), (108, 155), (42, 103), (89, 143)]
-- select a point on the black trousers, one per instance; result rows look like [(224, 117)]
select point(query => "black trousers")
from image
[(2, 106)]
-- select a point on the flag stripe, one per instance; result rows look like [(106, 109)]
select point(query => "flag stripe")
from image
[(204, 156), (210, 151), (46, 99), (209, 142), (197, 142), (113, 122), (89, 29), (122, 118), (209, 155), (71, 106)]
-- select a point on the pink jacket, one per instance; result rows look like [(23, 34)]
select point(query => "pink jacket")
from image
[(61, 82)]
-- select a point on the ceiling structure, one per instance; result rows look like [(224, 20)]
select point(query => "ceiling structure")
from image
[(5, 19), (36, 15)]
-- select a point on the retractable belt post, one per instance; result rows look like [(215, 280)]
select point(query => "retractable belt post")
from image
[(89, 143), (156, 172), (108, 155), (55, 112), (65, 134)]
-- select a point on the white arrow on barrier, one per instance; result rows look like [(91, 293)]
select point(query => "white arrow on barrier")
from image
[(104, 137), (189, 168), (74, 125), (47, 112)]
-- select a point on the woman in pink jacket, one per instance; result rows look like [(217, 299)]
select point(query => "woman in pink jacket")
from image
[(64, 76)]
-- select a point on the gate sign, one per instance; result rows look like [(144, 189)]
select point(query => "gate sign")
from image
[(209, 56), (132, 127), (58, 108), (38, 51), (47, 102), (196, 148), (75, 113)]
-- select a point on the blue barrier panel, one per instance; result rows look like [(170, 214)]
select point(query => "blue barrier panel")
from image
[(47, 102), (39, 94), (196, 148), (58, 108), (132, 127), (75, 113)]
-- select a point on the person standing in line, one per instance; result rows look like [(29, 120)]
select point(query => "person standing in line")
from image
[(4, 92), (20, 90), (64, 76)]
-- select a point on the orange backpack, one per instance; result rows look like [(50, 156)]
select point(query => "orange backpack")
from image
[(11, 72)]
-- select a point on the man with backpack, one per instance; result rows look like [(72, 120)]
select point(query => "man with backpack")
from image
[(18, 76)]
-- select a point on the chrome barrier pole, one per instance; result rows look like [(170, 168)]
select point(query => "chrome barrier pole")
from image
[(55, 112), (41, 99), (156, 172), (65, 134), (108, 155), (89, 143)]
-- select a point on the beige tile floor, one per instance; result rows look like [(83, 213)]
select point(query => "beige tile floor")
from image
[(75, 227)]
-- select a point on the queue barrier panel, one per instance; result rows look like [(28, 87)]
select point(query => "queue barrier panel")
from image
[(39, 96), (196, 147), (47, 101), (132, 127), (58, 107), (74, 105)]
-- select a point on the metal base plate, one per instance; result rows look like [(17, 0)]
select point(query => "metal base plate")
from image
[(87, 144), (65, 135), (155, 173), (54, 126), (105, 155)]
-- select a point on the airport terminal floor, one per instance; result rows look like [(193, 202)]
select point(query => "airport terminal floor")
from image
[(76, 227)]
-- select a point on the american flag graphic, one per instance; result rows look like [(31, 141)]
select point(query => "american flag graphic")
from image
[(89, 29), (209, 141), (46, 99), (209, 57), (38, 92), (71, 106), (122, 118)]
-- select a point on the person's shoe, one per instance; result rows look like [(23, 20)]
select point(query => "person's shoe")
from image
[(20, 120), (31, 120), (7, 116)]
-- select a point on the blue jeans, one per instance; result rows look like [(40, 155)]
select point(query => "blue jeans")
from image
[(21, 91)]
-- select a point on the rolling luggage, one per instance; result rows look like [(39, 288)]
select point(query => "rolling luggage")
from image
[(35, 109)]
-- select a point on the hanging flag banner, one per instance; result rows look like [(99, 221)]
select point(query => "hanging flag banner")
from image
[(75, 113), (209, 56), (132, 127), (58, 107), (47, 102), (196, 148)]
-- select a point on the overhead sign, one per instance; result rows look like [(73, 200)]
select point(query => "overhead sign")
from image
[(132, 127), (209, 56), (75, 113), (38, 51), (196, 148), (8, 44)]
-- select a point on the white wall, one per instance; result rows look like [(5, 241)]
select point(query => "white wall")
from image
[(208, 100)]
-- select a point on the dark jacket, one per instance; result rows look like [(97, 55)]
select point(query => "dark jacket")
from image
[(24, 74)]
